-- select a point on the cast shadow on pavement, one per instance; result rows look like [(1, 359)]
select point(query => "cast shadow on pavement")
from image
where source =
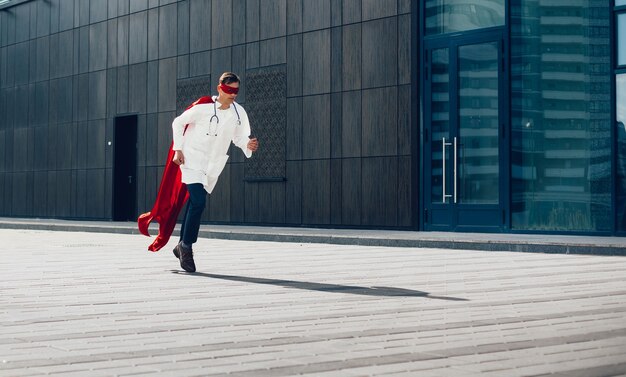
[(322, 287)]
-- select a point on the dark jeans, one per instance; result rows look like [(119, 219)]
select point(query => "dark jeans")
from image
[(191, 221)]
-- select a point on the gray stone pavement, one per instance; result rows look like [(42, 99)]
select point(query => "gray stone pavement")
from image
[(98, 304)]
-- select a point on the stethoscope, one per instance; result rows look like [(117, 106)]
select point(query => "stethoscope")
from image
[(214, 116)]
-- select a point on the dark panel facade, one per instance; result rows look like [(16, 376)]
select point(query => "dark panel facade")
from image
[(315, 76)]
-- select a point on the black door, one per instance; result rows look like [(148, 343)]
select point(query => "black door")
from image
[(125, 169), (465, 143)]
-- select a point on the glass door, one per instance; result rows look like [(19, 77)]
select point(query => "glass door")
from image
[(465, 144)]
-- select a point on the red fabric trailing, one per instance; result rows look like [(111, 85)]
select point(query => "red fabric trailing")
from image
[(170, 199)]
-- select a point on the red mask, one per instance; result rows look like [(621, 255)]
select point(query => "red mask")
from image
[(229, 89)]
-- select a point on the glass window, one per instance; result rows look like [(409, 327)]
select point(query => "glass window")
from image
[(620, 2), (478, 124), (440, 117), (448, 16), (620, 119), (621, 39), (560, 114)]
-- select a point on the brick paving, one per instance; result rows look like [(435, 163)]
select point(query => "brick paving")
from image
[(99, 304)]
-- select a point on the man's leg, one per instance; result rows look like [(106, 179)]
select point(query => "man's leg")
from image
[(182, 225), (182, 230), (197, 202), (191, 226)]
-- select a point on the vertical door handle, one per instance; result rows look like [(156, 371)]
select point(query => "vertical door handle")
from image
[(443, 173), (455, 163), (130, 179)]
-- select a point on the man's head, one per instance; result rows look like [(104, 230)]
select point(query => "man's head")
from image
[(228, 88)]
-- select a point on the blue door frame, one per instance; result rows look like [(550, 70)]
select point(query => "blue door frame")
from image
[(448, 144)]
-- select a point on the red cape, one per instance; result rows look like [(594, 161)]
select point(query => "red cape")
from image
[(170, 199)]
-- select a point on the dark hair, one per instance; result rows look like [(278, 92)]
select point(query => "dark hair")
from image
[(229, 78)]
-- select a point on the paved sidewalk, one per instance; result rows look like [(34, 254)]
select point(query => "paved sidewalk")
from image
[(99, 304)]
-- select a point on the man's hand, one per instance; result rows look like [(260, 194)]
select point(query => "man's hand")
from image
[(179, 158), (253, 144)]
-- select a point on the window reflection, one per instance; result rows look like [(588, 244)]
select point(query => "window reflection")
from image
[(561, 142), (478, 124), (620, 102), (440, 118), (621, 39), (448, 16)]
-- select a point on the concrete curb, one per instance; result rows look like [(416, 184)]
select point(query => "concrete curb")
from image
[(484, 245), (516, 243)]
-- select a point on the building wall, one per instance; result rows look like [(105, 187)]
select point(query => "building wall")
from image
[(69, 67)]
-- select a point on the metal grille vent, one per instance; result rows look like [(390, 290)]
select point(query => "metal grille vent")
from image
[(189, 90), (266, 104)]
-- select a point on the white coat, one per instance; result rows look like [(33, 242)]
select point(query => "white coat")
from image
[(205, 143)]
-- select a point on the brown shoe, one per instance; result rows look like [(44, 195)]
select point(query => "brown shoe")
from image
[(186, 258)]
